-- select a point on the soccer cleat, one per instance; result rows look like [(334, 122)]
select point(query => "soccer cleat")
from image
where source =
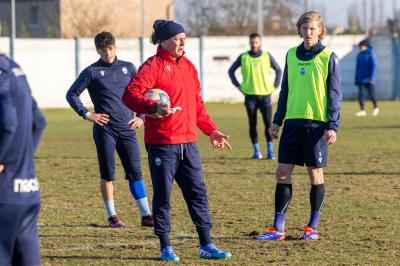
[(375, 112), (257, 155), (310, 233), (210, 251), (168, 254), (148, 220), (270, 156), (115, 222), (361, 113), (271, 234)]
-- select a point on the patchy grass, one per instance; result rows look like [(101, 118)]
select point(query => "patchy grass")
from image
[(360, 223)]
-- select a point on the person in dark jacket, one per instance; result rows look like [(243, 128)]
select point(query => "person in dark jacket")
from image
[(309, 103), (259, 82), (21, 127), (171, 140), (366, 68), (113, 125)]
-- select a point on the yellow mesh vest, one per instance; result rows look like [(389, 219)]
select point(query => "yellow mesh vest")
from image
[(307, 89), (258, 78)]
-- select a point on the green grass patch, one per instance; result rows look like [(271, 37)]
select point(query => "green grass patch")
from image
[(360, 223)]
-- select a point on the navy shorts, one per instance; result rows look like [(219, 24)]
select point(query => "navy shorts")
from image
[(107, 140), (257, 101), (303, 145), (19, 239)]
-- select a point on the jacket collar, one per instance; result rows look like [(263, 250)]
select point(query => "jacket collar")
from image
[(164, 54)]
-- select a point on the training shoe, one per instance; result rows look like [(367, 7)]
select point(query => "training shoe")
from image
[(210, 251), (115, 222), (168, 254), (257, 155), (361, 113), (310, 233), (375, 112), (271, 234), (271, 156), (148, 220)]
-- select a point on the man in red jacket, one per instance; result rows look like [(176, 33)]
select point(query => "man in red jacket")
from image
[(171, 139)]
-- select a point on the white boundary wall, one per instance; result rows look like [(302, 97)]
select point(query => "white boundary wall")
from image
[(50, 63)]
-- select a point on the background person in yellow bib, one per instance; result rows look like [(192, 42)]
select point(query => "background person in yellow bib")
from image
[(309, 102), (259, 82)]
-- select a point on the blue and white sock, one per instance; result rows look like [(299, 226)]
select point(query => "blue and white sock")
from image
[(138, 192), (110, 208), (279, 221), (314, 218), (256, 148), (270, 147)]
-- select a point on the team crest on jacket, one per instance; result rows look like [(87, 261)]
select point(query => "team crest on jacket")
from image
[(302, 71), (102, 72), (125, 70), (168, 68)]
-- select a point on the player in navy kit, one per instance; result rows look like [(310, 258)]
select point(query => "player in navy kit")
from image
[(21, 126), (113, 124)]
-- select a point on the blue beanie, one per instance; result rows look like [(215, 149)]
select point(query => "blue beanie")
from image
[(165, 29)]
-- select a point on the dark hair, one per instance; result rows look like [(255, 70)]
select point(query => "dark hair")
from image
[(154, 39), (103, 40), (254, 35), (363, 43)]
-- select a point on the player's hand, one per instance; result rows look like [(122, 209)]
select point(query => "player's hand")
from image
[(274, 131), (1, 167), (100, 119), (164, 109), (135, 122), (219, 140), (330, 136)]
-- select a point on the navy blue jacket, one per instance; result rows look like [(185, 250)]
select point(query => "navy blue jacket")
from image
[(366, 67), (275, 66), (333, 83), (106, 84), (21, 126)]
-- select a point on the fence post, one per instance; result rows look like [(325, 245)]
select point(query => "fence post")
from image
[(141, 44), (77, 56), (201, 66)]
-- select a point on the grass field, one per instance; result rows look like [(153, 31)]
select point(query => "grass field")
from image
[(360, 223)]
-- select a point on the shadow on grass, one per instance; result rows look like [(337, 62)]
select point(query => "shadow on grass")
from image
[(362, 173), (76, 257), (379, 127), (75, 225)]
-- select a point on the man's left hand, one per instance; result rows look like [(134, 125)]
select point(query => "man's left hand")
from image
[(135, 122), (330, 136), (219, 140)]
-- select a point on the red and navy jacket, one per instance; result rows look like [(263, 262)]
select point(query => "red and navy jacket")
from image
[(179, 79)]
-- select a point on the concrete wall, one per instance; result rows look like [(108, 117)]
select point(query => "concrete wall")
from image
[(50, 63)]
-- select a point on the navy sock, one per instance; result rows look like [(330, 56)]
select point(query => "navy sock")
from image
[(164, 240), (317, 195), (283, 195), (204, 236)]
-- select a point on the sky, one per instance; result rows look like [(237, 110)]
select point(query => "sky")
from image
[(335, 12)]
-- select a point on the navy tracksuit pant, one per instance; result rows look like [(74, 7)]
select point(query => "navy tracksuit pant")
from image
[(182, 162)]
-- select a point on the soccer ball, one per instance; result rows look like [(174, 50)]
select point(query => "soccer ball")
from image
[(157, 95)]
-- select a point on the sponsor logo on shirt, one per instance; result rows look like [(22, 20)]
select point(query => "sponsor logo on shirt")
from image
[(168, 68), (26, 185), (102, 72), (125, 70), (17, 71), (302, 71)]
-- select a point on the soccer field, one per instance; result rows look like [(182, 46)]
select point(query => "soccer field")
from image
[(360, 223)]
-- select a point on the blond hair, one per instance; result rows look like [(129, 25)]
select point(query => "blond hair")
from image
[(309, 17)]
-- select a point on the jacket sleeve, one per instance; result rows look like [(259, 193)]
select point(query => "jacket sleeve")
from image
[(278, 71), (8, 114), (232, 70), (334, 93), (204, 121), (80, 84), (282, 101), (144, 80), (39, 124)]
